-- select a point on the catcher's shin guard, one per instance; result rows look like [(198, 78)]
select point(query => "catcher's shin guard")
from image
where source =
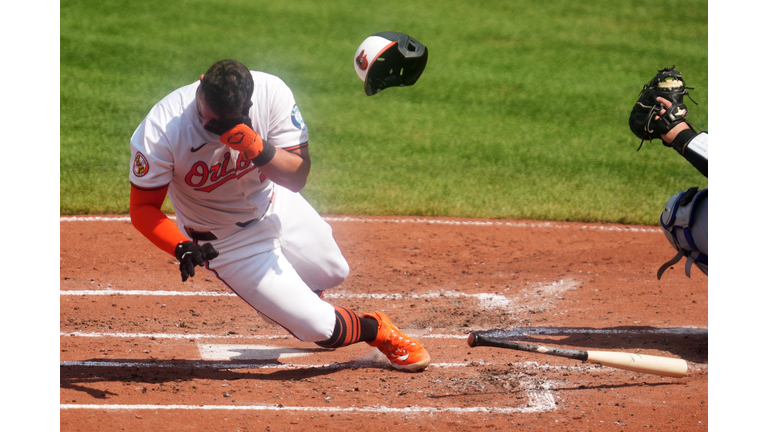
[(685, 222)]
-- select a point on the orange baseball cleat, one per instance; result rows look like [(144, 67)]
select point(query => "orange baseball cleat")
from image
[(403, 352)]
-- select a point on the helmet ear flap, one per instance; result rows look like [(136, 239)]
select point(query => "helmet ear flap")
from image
[(413, 68)]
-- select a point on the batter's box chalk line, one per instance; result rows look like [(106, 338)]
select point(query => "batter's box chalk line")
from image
[(535, 405)]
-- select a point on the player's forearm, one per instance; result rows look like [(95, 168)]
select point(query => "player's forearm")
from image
[(149, 220), (289, 169), (697, 152), (692, 146)]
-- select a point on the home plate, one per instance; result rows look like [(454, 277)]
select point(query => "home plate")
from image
[(248, 352)]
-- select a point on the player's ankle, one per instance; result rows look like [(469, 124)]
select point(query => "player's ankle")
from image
[(369, 329)]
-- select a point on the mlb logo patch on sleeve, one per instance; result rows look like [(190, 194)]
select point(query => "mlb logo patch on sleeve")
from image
[(296, 118)]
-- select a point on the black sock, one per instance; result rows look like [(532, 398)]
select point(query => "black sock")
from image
[(369, 328)]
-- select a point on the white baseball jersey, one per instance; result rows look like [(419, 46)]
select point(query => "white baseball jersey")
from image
[(211, 187), (287, 251)]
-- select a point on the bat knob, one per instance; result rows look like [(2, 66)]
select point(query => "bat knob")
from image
[(471, 339)]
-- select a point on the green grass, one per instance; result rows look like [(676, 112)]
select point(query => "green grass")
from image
[(521, 112)]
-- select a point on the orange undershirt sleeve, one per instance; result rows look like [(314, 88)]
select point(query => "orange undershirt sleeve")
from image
[(149, 220)]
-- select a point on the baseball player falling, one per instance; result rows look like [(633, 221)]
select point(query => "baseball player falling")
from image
[(231, 151)]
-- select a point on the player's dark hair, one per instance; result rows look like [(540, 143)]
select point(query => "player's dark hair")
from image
[(227, 87)]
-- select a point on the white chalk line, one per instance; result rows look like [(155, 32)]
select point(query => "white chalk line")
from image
[(111, 292), (176, 364), (540, 403), (416, 221), (486, 300), (336, 295), (167, 335), (516, 332)]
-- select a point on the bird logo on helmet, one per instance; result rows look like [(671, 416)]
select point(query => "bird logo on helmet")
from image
[(399, 61), (362, 60)]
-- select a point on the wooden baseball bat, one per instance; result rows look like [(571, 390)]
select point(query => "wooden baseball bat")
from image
[(656, 365)]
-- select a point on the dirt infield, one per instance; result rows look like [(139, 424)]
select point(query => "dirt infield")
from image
[(140, 350)]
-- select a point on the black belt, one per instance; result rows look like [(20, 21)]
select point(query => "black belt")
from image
[(246, 223), (207, 235), (200, 235)]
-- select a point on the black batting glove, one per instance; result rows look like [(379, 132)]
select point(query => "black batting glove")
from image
[(190, 255)]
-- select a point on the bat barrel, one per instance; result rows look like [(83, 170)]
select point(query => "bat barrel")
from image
[(471, 340), (475, 339)]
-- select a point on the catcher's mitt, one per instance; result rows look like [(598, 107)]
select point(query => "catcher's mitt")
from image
[(668, 83)]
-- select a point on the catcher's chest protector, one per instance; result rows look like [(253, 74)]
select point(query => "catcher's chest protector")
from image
[(684, 220)]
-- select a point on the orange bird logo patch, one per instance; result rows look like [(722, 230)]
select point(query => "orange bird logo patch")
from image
[(362, 60)]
